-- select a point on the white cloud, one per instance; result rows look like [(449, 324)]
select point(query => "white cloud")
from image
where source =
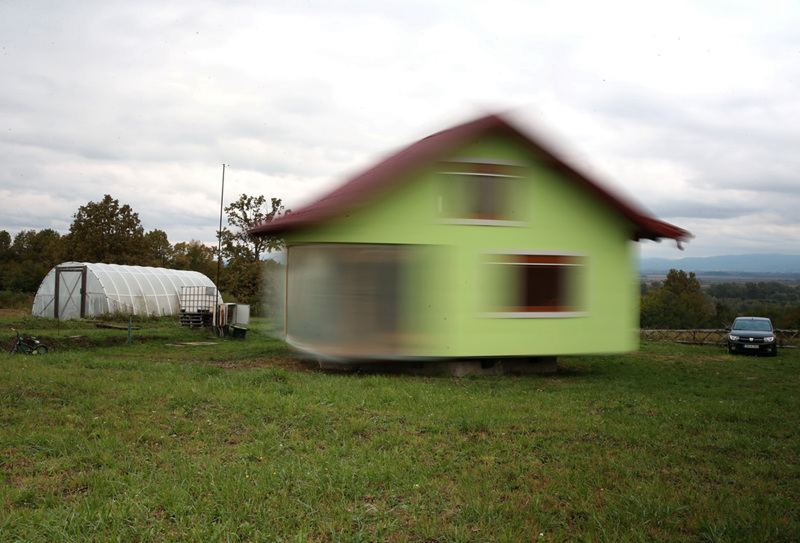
[(689, 107)]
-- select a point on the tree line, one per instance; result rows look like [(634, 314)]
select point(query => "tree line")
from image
[(680, 302), (111, 233)]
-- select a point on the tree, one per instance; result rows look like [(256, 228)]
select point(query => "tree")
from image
[(107, 232), (678, 304), (242, 280), (6, 258), (28, 259), (42, 246), (5, 246), (194, 256), (159, 251), (243, 275), (243, 214)]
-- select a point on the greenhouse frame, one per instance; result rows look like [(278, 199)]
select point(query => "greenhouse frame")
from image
[(75, 290)]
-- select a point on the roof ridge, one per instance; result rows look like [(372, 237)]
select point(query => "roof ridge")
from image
[(385, 173)]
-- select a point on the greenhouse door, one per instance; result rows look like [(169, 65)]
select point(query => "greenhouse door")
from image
[(70, 292)]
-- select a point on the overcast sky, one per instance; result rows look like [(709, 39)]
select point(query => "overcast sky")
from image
[(689, 107)]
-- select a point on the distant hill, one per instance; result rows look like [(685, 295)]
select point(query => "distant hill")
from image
[(763, 263)]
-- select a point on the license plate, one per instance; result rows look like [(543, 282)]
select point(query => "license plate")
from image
[(751, 346)]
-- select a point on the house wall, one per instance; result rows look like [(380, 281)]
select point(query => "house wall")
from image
[(446, 311)]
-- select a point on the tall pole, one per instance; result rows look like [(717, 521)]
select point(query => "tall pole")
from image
[(219, 252)]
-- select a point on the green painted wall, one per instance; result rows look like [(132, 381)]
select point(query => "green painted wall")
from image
[(445, 294)]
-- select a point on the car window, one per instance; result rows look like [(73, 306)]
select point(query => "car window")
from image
[(753, 325)]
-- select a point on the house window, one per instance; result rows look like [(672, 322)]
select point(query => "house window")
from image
[(536, 285), (479, 192)]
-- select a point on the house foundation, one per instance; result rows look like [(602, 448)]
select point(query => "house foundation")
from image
[(542, 365)]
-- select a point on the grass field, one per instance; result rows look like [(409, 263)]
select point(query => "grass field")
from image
[(238, 441)]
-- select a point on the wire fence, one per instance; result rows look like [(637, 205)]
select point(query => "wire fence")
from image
[(785, 338)]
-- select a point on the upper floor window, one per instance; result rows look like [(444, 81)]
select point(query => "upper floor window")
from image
[(479, 191)]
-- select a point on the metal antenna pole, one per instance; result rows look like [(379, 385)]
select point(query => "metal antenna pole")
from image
[(219, 253)]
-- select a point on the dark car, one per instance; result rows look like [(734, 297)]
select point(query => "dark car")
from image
[(752, 335)]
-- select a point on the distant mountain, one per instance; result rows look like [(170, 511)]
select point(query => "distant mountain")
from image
[(767, 263)]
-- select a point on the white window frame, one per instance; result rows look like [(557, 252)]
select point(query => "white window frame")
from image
[(477, 161), (540, 314)]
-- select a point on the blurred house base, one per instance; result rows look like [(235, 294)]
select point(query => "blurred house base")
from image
[(456, 368)]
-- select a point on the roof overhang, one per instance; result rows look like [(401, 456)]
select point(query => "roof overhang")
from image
[(362, 188)]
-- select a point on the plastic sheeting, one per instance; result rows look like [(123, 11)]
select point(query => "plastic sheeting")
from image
[(75, 290)]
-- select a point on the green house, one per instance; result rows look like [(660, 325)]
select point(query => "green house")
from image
[(473, 243)]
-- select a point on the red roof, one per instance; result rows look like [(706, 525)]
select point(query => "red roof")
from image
[(440, 146)]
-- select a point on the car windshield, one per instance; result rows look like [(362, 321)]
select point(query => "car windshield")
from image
[(752, 324)]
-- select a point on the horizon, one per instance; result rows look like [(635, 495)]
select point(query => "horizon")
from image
[(720, 256)]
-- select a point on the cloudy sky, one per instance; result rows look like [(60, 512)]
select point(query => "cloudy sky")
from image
[(689, 107)]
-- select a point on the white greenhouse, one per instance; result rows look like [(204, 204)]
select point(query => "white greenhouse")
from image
[(75, 290)]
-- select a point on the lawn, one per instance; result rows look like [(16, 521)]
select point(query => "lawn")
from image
[(239, 441)]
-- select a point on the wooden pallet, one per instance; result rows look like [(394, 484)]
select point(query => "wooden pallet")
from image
[(202, 319)]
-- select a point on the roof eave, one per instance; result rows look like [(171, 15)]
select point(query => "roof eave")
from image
[(656, 230), (398, 166)]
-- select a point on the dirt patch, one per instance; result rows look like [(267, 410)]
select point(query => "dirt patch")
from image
[(15, 312), (285, 362)]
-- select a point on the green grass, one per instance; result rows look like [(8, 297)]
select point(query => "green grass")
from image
[(238, 441)]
